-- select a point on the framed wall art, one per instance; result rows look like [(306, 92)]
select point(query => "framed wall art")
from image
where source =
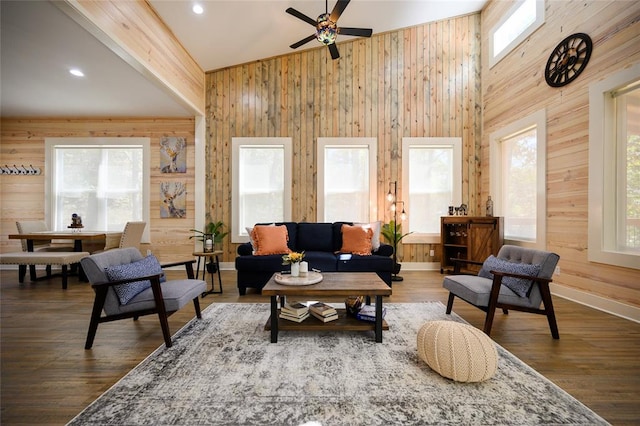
[(173, 155)]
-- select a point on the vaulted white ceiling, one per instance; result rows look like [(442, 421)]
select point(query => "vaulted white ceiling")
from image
[(39, 43)]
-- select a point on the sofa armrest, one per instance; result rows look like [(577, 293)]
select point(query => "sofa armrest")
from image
[(245, 249)]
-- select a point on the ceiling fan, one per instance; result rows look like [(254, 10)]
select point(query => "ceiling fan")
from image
[(327, 28)]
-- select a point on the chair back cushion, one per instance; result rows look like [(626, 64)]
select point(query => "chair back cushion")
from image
[(95, 266), (518, 285), (545, 259), (147, 266), (29, 226), (132, 234)]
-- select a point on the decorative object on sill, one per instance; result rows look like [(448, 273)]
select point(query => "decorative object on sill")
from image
[(392, 231), (19, 170), (450, 210), (173, 155), (173, 200), (464, 210), (76, 222), (568, 60), (489, 206)]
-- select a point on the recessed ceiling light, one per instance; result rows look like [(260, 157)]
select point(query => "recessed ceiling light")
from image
[(198, 9), (76, 72)]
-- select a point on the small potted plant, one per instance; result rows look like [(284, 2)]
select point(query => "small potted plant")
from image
[(392, 232), (211, 237)]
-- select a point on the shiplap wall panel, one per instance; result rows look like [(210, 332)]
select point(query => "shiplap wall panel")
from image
[(515, 87), (419, 81), (22, 142)]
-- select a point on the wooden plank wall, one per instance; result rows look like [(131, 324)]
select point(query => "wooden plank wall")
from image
[(420, 81), (515, 87), (22, 142)]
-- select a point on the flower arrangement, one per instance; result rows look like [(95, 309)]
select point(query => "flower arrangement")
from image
[(293, 257)]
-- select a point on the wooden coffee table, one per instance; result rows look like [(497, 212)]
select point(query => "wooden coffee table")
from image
[(333, 284)]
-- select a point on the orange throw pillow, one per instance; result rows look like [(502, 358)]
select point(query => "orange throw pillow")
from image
[(356, 240), (270, 240)]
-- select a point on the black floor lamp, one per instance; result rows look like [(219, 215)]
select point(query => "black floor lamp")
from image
[(393, 198)]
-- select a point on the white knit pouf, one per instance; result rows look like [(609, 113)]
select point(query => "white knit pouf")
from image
[(457, 351)]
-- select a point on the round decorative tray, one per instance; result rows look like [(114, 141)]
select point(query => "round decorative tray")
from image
[(310, 278)]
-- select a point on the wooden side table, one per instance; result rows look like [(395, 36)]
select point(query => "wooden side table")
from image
[(213, 255)]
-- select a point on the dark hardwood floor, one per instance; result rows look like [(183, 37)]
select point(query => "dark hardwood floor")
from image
[(48, 377)]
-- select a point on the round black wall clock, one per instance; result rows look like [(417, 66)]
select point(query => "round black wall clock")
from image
[(568, 60)]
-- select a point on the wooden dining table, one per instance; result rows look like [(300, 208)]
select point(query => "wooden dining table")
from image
[(77, 236)]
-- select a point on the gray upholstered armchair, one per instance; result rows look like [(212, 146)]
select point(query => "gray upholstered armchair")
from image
[(128, 285), (517, 278)]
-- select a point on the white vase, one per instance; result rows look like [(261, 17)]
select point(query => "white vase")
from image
[(295, 269)]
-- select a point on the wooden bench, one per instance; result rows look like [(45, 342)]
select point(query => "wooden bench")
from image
[(24, 258)]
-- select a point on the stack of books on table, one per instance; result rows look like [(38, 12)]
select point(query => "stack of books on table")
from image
[(294, 311), (368, 313), (323, 312)]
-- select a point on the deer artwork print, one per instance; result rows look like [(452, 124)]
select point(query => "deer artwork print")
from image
[(173, 155), (173, 200)]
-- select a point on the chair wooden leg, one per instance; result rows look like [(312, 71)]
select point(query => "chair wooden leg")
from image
[(548, 307), (164, 324), (48, 270), (450, 303), (162, 312), (488, 322), (196, 305), (98, 303), (493, 302), (32, 272), (22, 271), (64, 277)]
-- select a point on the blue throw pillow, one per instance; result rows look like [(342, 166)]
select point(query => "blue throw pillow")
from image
[(141, 268), (519, 286)]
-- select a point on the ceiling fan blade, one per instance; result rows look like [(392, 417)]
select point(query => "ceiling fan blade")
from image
[(340, 6), (361, 32), (300, 15), (303, 41), (333, 49)]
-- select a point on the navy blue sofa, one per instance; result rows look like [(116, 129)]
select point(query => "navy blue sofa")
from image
[(321, 243)]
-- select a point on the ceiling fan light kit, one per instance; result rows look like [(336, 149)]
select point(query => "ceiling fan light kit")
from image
[(327, 29)]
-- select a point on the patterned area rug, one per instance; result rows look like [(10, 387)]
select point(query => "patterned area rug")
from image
[(224, 370)]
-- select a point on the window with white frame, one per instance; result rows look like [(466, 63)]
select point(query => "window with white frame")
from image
[(432, 181), (520, 22), (347, 179), (261, 183), (103, 180), (518, 179), (614, 169)]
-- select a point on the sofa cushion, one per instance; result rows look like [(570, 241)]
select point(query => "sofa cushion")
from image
[(357, 263), (356, 239), (518, 285), (336, 228), (249, 230), (270, 239), (375, 227), (314, 237), (141, 268), (321, 260)]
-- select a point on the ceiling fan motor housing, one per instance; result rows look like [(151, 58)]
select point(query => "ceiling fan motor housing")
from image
[(327, 30)]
